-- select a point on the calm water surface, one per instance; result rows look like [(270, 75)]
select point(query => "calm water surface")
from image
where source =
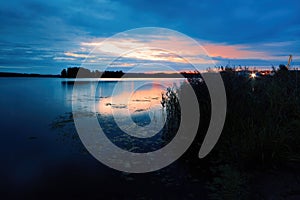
[(42, 156)]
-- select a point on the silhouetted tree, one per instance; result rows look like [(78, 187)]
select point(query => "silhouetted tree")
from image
[(63, 73), (72, 72), (283, 67)]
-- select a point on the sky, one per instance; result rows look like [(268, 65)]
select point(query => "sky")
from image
[(38, 36)]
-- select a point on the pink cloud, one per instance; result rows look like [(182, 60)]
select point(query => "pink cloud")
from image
[(233, 51)]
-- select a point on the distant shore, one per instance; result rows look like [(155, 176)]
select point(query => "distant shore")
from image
[(10, 74), (125, 75), (78, 72)]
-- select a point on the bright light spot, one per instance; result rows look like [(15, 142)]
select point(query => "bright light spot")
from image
[(253, 75)]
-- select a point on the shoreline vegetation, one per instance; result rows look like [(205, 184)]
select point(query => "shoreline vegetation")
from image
[(260, 142)]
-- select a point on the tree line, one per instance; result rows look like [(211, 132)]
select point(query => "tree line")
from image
[(72, 72)]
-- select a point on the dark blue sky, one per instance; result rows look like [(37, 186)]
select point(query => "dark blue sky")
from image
[(46, 36)]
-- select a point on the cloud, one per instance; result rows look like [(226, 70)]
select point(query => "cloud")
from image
[(39, 33), (78, 55)]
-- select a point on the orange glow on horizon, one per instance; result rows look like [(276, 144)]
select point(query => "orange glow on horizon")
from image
[(158, 49)]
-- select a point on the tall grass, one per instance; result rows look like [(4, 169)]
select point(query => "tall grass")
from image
[(261, 132), (171, 103)]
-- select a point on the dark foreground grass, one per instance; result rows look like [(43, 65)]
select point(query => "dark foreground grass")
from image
[(261, 135)]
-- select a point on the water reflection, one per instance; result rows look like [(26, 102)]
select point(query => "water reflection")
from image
[(135, 96), (140, 97), (122, 97), (129, 111)]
